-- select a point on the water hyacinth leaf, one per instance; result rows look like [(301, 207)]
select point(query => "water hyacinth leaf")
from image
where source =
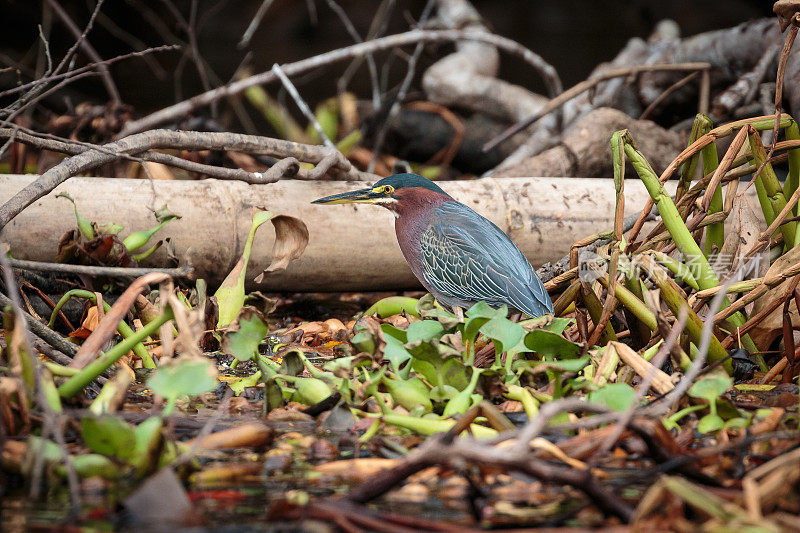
[(243, 343), (616, 396), (427, 307), (547, 343), (455, 373), (241, 384), (108, 435), (393, 331), (424, 331), (483, 310), (505, 333), (558, 325), (291, 363), (711, 387), (184, 376), (291, 239), (710, 423), (230, 295), (395, 352)]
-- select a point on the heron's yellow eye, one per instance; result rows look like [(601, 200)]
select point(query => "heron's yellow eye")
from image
[(385, 189)]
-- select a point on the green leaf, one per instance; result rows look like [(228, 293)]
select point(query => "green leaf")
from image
[(424, 331), (240, 384), (230, 295), (243, 343), (549, 343), (184, 376), (392, 331), (147, 446), (483, 310), (616, 396), (710, 423), (505, 333), (395, 352), (108, 435), (711, 387)]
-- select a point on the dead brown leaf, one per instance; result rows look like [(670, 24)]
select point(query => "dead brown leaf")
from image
[(291, 239)]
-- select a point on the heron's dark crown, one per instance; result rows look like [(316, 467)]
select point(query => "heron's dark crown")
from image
[(407, 180)]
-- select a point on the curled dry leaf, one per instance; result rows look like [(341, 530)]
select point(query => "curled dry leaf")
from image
[(291, 239), (771, 327)]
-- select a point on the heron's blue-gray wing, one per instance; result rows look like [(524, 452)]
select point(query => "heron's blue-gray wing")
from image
[(467, 257)]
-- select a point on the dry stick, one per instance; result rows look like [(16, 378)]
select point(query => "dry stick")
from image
[(723, 167), (115, 272), (185, 107), (86, 68), (67, 146), (253, 26), (292, 90), (667, 92), (108, 81), (395, 108), (687, 153), (47, 335), (190, 140), (755, 320), (50, 417), (658, 360), (587, 85), (108, 326), (371, 66), (784, 58), (669, 401)]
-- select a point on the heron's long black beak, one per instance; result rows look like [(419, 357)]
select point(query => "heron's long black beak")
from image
[(361, 196)]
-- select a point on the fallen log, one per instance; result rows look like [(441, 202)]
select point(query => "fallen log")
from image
[(351, 247)]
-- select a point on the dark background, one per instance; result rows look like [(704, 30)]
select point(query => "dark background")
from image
[(574, 35)]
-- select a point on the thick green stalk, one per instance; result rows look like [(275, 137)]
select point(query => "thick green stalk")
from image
[(793, 178), (634, 304), (704, 274), (715, 233), (123, 328), (771, 186), (671, 294), (681, 271), (102, 363), (700, 127)]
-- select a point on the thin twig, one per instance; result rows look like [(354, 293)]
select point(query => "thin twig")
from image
[(292, 90), (108, 81), (253, 26), (185, 107), (584, 86), (113, 272)]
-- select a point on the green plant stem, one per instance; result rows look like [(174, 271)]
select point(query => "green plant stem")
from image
[(58, 370), (671, 295), (102, 363), (700, 127), (595, 308), (681, 271), (715, 233), (123, 328), (793, 178), (634, 304), (771, 187), (706, 278)]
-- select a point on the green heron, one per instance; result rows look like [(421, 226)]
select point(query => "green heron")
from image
[(460, 257)]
